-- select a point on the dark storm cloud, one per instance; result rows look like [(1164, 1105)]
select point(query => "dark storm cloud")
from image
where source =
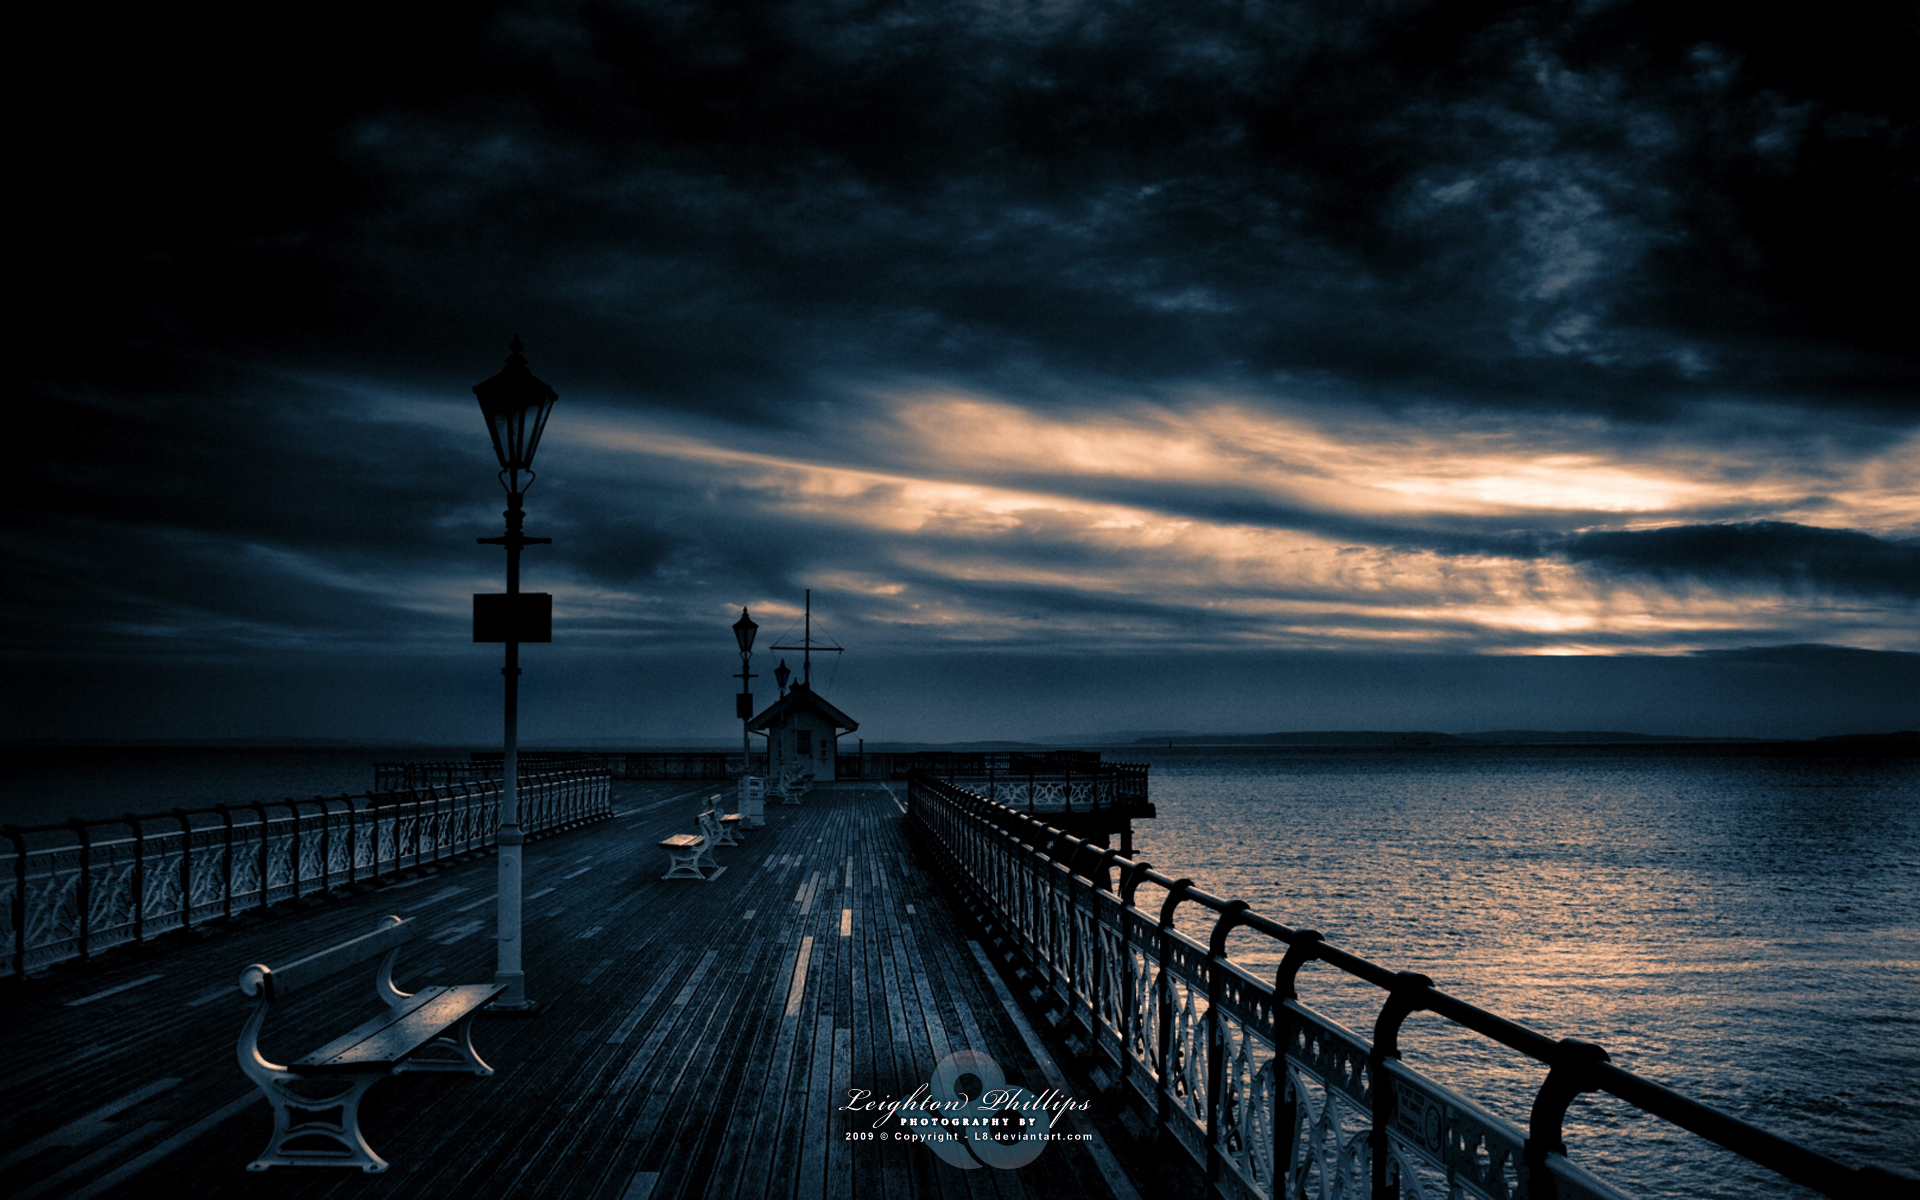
[(201, 505), (1617, 207), (1473, 202), (1774, 553), (254, 456), (261, 249)]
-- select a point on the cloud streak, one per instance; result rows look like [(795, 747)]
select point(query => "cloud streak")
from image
[(1422, 328)]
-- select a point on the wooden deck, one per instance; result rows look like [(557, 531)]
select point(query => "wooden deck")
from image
[(698, 1039)]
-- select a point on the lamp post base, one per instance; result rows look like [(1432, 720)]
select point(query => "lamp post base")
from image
[(514, 1008)]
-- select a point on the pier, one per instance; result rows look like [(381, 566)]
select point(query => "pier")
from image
[(697, 1039), (705, 1038)]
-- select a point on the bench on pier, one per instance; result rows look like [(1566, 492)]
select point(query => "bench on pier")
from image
[(685, 853), (316, 1100), (794, 787), (722, 828)]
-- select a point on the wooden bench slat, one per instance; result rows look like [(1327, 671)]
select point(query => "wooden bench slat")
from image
[(386, 1039)]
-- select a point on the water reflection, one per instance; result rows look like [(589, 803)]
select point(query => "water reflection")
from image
[(1743, 928)]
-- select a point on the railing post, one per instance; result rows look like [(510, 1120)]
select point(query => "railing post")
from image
[(410, 804), (1570, 1073), (260, 810), (226, 904), (19, 905), (396, 805), (186, 867), (1230, 916), (1163, 1088), (1404, 998), (1303, 950), (294, 847), (373, 836), (1129, 998), (326, 845), (83, 889), (139, 882)]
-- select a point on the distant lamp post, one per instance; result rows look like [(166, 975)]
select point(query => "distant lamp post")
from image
[(781, 674), (515, 405), (743, 631)]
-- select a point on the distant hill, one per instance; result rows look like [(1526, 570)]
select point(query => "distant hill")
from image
[(1503, 737), (1329, 737), (1563, 737), (1902, 737)]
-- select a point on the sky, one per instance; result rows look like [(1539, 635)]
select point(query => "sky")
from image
[(1097, 366)]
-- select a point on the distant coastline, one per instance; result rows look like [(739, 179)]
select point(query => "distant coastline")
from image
[(1323, 738), (1514, 737)]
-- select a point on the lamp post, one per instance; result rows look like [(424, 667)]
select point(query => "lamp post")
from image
[(515, 405), (743, 631)]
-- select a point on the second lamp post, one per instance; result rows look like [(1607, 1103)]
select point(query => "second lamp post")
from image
[(743, 631)]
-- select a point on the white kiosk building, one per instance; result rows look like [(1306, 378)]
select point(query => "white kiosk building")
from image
[(803, 733)]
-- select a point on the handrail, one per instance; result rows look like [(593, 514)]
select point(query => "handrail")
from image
[(79, 888), (1282, 1086), (624, 764)]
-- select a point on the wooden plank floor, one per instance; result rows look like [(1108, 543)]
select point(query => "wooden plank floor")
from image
[(698, 1039)]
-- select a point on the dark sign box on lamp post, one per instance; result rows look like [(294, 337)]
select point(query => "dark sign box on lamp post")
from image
[(513, 617)]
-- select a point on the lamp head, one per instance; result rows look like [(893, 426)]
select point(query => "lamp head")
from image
[(515, 405), (743, 631)]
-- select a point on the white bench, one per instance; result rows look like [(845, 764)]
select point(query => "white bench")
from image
[(316, 1100), (794, 787), (685, 853), (722, 828)]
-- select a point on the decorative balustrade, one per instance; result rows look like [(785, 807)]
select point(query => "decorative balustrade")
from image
[(639, 764), (78, 889), (1029, 782), (1269, 1097)]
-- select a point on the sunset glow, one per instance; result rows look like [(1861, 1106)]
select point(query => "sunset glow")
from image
[(1024, 513), (1121, 346)]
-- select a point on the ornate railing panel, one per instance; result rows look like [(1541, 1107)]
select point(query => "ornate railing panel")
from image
[(72, 891), (1270, 1098), (639, 764)]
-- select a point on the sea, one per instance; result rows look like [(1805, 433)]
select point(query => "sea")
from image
[(1739, 923)]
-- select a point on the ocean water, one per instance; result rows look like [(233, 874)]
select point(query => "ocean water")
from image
[(1742, 927)]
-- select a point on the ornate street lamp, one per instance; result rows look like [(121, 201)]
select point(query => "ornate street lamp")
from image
[(743, 631), (515, 405), (781, 674)]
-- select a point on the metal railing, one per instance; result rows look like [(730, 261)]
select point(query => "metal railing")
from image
[(1037, 786), (1052, 783), (1198, 1040), (422, 773), (646, 764), (78, 889)]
